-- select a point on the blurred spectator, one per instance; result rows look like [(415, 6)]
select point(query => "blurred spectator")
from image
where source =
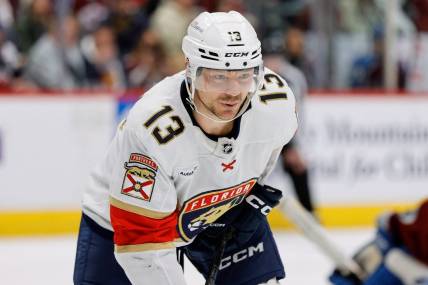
[(364, 16), (32, 22), (367, 70), (128, 19), (230, 5), (276, 15), (77, 5), (359, 16), (145, 64), (418, 70), (10, 60), (295, 53), (238, 6), (418, 11), (91, 15), (104, 64), (170, 22), (55, 61), (6, 14)]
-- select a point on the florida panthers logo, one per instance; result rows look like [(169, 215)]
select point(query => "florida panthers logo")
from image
[(201, 211), (212, 215), (139, 177)]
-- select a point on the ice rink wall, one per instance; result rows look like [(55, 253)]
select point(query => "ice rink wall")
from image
[(367, 153)]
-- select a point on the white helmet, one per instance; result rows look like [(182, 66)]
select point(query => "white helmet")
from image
[(224, 41)]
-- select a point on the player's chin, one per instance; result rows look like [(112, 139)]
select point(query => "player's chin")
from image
[(227, 114), (227, 111)]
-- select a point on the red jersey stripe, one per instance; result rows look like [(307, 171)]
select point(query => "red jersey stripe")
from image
[(132, 229)]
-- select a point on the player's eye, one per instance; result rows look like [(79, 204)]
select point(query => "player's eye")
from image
[(219, 77), (244, 76)]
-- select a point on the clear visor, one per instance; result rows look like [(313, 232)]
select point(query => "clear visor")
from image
[(240, 81)]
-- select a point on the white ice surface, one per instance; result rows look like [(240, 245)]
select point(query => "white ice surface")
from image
[(50, 261)]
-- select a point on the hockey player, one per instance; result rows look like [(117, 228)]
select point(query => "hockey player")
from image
[(398, 255), (187, 168)]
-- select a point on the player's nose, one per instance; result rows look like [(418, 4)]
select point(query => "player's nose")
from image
[(233, 87)]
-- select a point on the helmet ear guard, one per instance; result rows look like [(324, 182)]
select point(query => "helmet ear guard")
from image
[(190, 87), (224, 41)]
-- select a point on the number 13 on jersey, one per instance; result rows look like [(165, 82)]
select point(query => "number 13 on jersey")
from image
[(168, 133)]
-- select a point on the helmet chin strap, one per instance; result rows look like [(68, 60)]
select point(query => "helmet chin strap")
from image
[(191, 91)]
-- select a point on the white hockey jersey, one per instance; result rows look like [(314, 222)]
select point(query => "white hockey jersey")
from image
[(163, 180)]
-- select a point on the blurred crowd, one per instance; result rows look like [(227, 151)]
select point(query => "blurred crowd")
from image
[(127, 44)]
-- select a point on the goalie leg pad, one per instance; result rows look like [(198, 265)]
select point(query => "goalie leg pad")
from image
[(407, 268)]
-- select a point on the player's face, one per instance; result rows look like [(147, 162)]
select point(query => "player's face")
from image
[(222, 92)]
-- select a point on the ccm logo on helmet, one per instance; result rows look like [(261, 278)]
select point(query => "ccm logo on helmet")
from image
[(241, 255), (236, 54), (258, 203)]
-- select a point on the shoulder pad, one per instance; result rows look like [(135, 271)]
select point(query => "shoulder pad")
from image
[(161, 125), (275, 109), (272, 81)]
